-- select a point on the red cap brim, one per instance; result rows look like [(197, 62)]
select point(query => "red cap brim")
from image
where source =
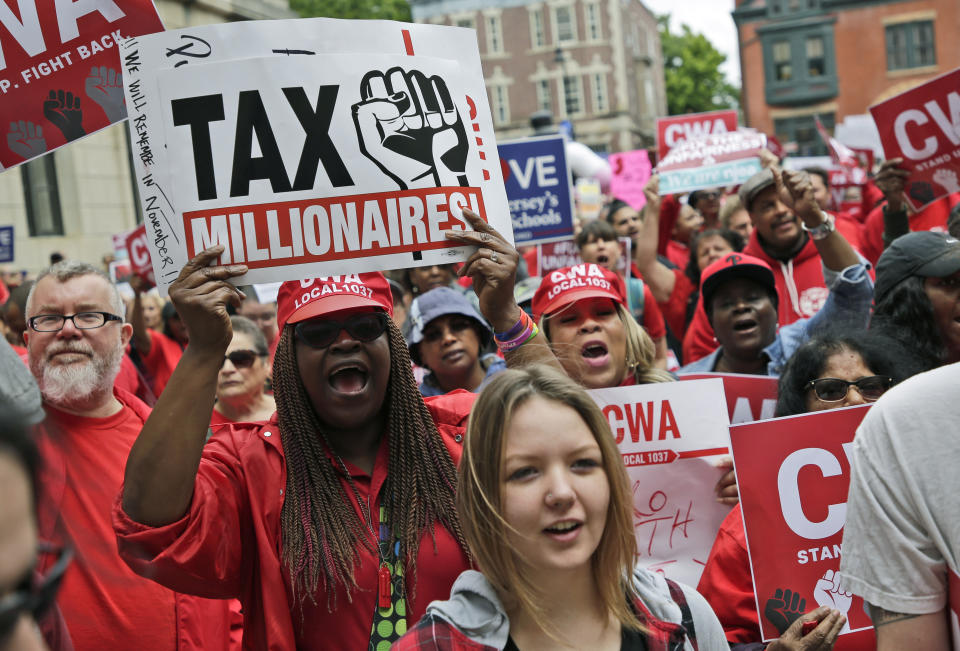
[(572, 296), (329, 304)]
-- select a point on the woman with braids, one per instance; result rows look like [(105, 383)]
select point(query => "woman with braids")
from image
[(334, 523)]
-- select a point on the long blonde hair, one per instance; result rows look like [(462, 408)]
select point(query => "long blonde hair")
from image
[(640, 350), (480, 496)]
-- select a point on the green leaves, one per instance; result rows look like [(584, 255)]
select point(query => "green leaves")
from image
[(377, 9), (691, 70)]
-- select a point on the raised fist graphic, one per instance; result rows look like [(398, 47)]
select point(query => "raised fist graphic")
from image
[(408, 125), (63, 110), (25, 139), (828, 593), (783, 608), (948, 179), (105, 87)]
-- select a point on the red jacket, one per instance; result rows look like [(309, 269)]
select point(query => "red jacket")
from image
[(237, 499), (932, 218), (800, 284), (727, 582)]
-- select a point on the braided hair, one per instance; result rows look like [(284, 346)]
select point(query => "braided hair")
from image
[(320, 531)]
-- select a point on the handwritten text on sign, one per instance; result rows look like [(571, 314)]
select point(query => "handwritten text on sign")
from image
[(303, 160), (670, 437), (794, 474)]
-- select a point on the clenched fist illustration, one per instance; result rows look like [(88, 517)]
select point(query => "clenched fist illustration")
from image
[(408, 125), (828, 593), (25, 139), (105, 87), (63, 111)]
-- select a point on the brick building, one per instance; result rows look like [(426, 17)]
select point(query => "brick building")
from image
[(594, 62), (834, 58), (73, 199)]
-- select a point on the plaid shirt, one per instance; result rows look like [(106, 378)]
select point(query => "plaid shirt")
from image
[(434, 634)]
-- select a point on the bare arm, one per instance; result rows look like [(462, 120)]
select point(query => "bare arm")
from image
[(141, 336), (658, 277), (493, 281), (162, 466), (896, 631), (796, 191), (891, 179)]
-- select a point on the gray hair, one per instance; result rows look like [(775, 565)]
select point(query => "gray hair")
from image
[(245, 326), (67, 269)]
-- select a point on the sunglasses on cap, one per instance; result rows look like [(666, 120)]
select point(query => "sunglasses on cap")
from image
[(241, 358), (34, 597), (831, 389), (320, 333)]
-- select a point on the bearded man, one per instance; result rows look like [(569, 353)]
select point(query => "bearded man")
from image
[(75, 339)]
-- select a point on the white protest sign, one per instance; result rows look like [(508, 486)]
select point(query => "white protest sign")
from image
[(311, 147), (671, 436)]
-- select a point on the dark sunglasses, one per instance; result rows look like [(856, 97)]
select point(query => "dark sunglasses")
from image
[(831, 389), (34, 597), (320, 333), (241, 358)]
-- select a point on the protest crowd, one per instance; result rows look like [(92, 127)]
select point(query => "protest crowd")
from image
[(436, 456)]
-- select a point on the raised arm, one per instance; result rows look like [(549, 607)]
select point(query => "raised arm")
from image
[(796, 192), (658, 277), (493, 268), (162, 466), (891, 179)]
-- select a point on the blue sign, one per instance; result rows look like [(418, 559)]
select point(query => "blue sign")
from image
[(537, 178), (6, 243)]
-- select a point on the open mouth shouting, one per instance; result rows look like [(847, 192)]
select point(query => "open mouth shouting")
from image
[(595, 353), (349, 378), (746, 326)]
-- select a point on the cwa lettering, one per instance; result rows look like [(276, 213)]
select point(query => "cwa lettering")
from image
[(948, 123), (642, 418)]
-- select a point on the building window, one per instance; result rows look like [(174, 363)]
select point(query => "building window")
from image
[(469, 23), (543, 95), (42, 197), (784, 7), (566, 28), (782, 68), (538, 36), (494, 35), (816, 63), (910, 45), (803, 131), (501, 105), (572, 95), (593, 22), (600, 101)]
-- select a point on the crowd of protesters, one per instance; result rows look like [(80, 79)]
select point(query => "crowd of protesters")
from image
[(411, 458)]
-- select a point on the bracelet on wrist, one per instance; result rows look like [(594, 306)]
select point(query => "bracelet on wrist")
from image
[(524, 337), (517, 328)]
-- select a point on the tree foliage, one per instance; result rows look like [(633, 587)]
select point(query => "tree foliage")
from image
[(691, 71), (377, 9)]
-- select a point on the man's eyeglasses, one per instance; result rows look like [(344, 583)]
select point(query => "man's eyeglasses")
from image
[(241, 358), (831, 389), (34, 597), (81, 320), (321, 333)]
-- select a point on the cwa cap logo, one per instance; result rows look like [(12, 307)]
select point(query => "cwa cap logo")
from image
[(580, 281), (299, 300)]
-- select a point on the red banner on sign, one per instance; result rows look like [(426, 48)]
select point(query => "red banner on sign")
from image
[(139, 255), (922, 126), (749, 397), (793, 475), (60, 75), (677, 128), (557, 255)]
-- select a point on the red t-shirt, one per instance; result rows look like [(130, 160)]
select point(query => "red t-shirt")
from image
[(727, 582), (933, 217), (653, 321), (674, 309), (105, 604), (161, 360), (678, 253)]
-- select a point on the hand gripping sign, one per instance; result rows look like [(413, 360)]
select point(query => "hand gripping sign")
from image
[(671, 437), (793, 474), (59, 71), (317, 147), (922, 126)]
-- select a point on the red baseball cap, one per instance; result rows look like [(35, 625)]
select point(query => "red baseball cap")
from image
[(564, 286), (299, 300), (735, 265)]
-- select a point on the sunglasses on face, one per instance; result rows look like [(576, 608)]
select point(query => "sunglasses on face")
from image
[(34, 597), (241, 358), (321, 333), (831, 389)]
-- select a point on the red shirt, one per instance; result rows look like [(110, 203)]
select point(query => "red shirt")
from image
[(933, 217), (161, 360), (727, 582), (800, 285), (678, 253), (674, 309), (653, 321), (107, 606), (238, 496)]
